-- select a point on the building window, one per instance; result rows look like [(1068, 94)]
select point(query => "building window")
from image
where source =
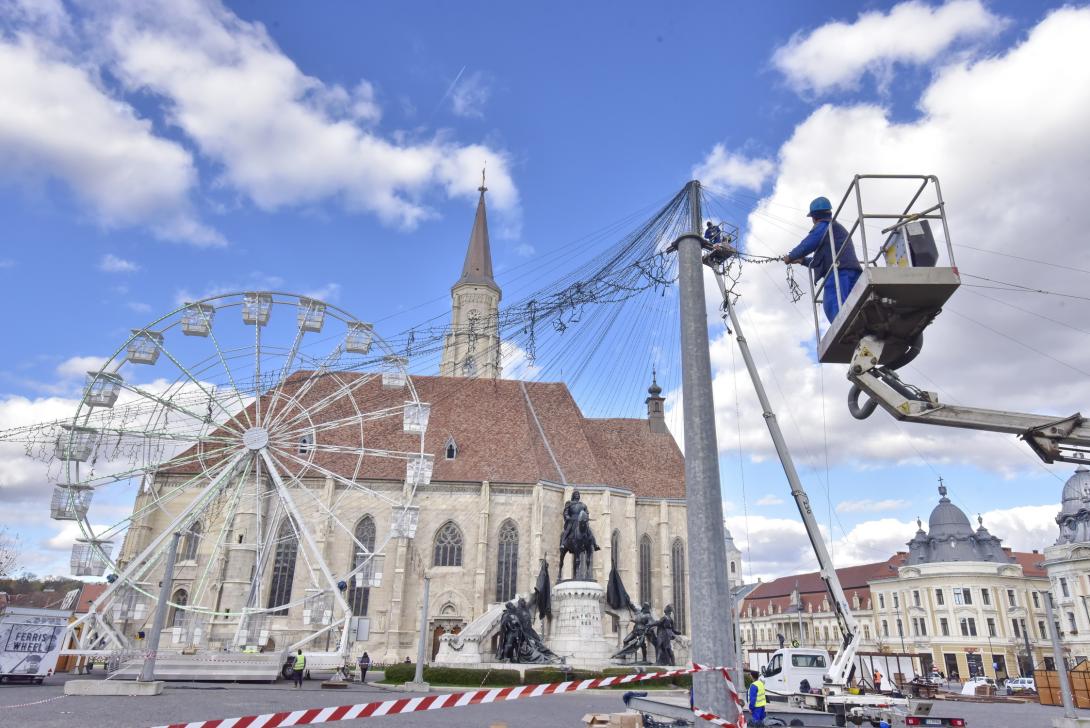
[(986, 597), (283, 574), (916, 598), (192, 540), (968, 627), (963, 596), (881, 601), (305, 443), (507, 561), (448, 545), (866, 631), (939, 599), (896, 602), (1063, 587), (1012, 600), (885, 628), (944, 626), (732, 569), (645, 569), (1017, 629), (178, 600), (452, 449), (1036, 600), (991, 627), (1041, 629), (359, 589), (900, 629), (1071, 623), (677, 564), (923, 627)]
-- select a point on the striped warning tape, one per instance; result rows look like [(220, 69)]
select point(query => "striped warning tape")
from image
[(312, 716)]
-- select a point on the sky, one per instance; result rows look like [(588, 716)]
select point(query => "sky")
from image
[(156, 153)]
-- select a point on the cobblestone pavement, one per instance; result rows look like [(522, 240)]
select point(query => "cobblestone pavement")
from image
[(46, 707)]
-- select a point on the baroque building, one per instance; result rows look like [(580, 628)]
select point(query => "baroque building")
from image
[(957, 601), (1068, 565)]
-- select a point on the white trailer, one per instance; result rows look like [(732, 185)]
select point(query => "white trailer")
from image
[(30, 642)]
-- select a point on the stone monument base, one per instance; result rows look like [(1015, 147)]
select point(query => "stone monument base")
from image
[(576, 635)]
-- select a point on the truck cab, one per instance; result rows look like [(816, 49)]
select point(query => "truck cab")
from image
[(790, 666)]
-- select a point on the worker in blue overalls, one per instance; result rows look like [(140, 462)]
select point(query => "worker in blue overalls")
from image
[(814, 253)]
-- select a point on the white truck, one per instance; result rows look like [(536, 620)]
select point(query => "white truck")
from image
[(30, 642)]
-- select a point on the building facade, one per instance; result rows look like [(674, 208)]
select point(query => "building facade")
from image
[(957, 601), (1068, 564)]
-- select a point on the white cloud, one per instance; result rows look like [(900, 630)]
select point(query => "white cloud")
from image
[(138, 307), (119, 169), (6, 263), (838, 54), (525, 250), (469, 95), (76, 367), (329, 293), (729, 170), (1006, 182), (770, 500), (871, 506), (110, 263), (229, 88)]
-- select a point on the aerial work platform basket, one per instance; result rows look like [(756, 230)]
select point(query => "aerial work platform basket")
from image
[(906, 279)]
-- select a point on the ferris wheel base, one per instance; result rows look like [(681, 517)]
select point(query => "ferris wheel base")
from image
[(213, 667), (127, 688)]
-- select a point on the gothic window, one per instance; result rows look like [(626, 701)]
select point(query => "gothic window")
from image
[(507, 561), (191, 541), (360, 596), (448, 545), (283, 573), (452, 449), (179, 599), (305, 443), (677, 563), (645, 569)]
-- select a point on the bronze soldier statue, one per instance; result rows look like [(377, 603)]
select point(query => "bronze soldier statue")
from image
[(511, 636), (636, 639), (664, 635), (577, 538)]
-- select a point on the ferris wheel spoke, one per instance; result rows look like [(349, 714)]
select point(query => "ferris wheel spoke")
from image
[(373, 452), (315, 375), (281, 378), (243, 409), (220, 541), (173, 405), (103, 480), (354, 485), (175, 435), (197, 382), (341, 422), (301, 526), (341, 393)]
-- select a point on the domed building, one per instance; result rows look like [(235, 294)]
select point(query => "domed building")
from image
[(1068, 565)]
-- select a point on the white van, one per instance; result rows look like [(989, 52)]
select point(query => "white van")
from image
[(790, 666)]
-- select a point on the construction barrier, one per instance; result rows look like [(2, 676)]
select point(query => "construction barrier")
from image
[(312, 716)]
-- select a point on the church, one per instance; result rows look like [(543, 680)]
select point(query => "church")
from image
[(507, 456)]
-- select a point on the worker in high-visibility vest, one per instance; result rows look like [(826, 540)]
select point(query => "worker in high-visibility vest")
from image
[(298, 668), (757, 701)]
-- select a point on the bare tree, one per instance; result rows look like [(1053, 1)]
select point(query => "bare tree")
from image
[(10, 549)]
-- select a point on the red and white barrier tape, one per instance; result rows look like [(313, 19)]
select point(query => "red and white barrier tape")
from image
[(313, 716)]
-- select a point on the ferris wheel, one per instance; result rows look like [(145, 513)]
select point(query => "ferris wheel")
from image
[(259, 426)]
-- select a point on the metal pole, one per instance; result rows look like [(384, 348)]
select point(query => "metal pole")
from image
[(1058, 656), (711, 627), (736, 610), (1029, 650), (147, 674), (419, 677)]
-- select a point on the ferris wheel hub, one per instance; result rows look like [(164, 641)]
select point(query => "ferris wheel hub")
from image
[(255, 438)]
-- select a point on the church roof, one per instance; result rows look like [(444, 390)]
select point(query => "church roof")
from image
[(493, 423), (477, 269)]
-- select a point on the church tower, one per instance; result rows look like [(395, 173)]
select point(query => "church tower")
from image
[(472, 346)]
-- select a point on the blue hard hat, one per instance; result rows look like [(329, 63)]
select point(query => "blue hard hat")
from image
[(820, 204)]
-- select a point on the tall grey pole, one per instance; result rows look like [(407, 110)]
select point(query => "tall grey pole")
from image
[(419, 678), (711, 627), (147, 674), (1058, 656), (1029, 650)]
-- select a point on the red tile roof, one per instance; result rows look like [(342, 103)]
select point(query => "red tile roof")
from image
[(1031, 562), (494, 427), (89, 593)]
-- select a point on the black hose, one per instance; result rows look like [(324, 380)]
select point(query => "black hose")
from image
[(860, 412), (909, 354)]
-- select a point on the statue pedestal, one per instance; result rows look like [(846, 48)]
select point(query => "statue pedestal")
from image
[(577, 634)]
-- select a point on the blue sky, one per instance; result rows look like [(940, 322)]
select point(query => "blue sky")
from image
[(152, 157)]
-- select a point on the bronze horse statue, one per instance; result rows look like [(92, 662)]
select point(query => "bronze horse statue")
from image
[(580, 543)]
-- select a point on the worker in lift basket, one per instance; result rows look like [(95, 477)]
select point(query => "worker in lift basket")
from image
[(757, 701), (814, 253)]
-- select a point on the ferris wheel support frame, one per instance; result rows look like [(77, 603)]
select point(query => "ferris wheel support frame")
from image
[(198, 502)]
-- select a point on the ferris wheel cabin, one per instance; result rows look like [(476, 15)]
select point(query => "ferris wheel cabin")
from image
[(906, 278)]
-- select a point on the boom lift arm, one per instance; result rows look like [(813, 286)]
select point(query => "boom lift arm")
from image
[(841, 668)]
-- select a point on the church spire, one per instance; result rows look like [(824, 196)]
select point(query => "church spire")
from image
[(477, 269)]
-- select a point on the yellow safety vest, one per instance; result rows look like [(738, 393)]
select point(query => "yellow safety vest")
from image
[(760, 700), (300, 662)]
